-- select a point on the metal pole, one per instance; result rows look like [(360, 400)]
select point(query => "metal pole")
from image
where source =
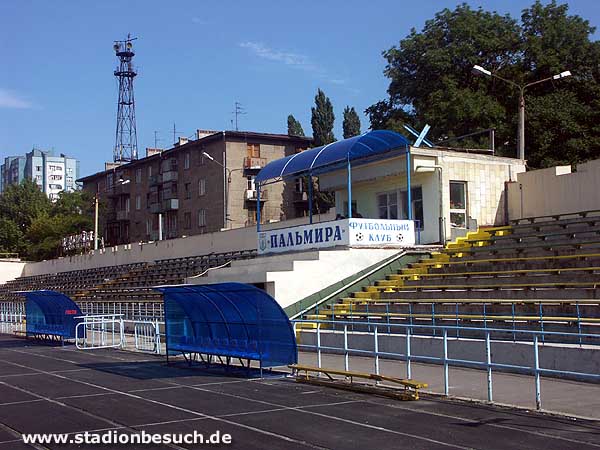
[(521, 135), (258, 207), (536, 356), (408, 184), (376, 351), (224, 191), (349, 188), (319, 345), (488, 352), (408, 368), (96, 222), (310, 199), (160, 227), (346, 362), (446, 387)]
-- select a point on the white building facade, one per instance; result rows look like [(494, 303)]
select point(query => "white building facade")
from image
[(452, 191)]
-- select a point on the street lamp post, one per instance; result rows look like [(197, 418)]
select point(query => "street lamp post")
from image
[(225, 187), (478, 70), (120, 182)]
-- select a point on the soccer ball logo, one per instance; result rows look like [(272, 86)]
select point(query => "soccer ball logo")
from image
[(359, 237), (400, 237)]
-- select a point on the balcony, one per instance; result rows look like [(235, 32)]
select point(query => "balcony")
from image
[(122, 215), (251, 195), (171, 175), (154, 180), (170, 205), (155, 208), (251, 163)]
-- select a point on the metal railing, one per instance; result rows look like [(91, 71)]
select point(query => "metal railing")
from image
[(408, 355), (100, 331), (147, 336)]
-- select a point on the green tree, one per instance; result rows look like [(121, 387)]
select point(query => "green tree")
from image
[(23, 203), (322, 119), (431, 81), (351, 124), (11, 237), (294, 127)]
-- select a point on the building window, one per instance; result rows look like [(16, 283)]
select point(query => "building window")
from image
[(201, 217), (387, 204), (138, 175), (38, 168), (186, 161), (138, 202), (201, 161), (251, 184), (148, 226), (187, 220), (126, 204), (149, 171), (416, 194), (109, 180), (253, 151), (70, 170), (201, 187), (458, 204), (188, 190)]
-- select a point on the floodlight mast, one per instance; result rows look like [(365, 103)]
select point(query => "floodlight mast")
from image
[(478, 70)]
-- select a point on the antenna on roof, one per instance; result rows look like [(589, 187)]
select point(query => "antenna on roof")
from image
[(239, 110)]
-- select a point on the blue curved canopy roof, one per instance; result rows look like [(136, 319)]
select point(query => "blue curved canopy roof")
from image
[(50, 313), (228, 319), (319, 159)]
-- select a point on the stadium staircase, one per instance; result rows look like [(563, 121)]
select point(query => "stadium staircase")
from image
[(538, 273)]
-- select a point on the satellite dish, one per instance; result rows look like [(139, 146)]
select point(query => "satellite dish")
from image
[(116, 47), (129, 45)]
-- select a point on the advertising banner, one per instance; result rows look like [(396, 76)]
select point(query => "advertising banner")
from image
[(346, 232)]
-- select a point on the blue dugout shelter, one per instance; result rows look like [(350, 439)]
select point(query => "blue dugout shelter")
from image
[(227, 320), (50, 314), (367, 147)]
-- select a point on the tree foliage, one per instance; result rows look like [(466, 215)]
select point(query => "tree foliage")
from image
[(294, 127), (33, 226), (431, 81), (351, 124), (322, 120)]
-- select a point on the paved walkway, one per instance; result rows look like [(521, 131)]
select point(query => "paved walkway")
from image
[(558, 396)]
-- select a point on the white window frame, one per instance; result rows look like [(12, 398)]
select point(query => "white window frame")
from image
[(201, 187), (186, 161), (388, 204), (463, 211)]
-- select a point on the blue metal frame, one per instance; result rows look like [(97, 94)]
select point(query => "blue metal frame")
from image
[(363, 155)]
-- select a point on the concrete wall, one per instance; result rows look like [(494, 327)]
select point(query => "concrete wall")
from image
[(552, 356), (10, 269), (201, 244), (555, 191)]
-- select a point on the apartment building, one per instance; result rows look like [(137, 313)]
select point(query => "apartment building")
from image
[(198, 186), (52, 174)]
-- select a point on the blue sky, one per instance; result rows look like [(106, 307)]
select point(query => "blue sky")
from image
[(195, 59)]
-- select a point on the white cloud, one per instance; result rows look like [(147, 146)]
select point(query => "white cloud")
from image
[(288, 58), (8, 99), (293, 60)]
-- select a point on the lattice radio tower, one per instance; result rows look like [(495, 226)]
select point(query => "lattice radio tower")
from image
[(126, 134)]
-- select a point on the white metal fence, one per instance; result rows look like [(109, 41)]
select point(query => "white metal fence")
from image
[(100, 331)]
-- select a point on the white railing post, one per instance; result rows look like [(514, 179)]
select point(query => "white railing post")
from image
[(446, 386), (408, 368), (346, 361), (376, 351), (488, 354), (536, 357), (319, 345)]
